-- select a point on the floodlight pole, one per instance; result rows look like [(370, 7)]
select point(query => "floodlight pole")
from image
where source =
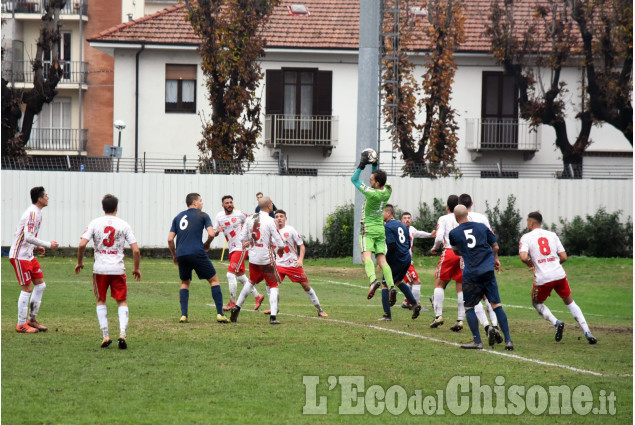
[(118, 145), (367, 98)]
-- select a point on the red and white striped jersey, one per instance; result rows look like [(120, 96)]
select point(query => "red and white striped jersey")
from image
[(291, 242), (109, 235), (25, 237), (232, 225), (543, 247), (261, 232)]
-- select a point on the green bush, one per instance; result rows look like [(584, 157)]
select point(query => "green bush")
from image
[(601, 235), (506, 225), (338, 233)]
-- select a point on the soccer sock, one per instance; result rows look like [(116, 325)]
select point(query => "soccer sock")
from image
[(233, 286), (369, 268), (268, 289), (243, 294), (254, 291), (546, 314), (313, 297), (273, 300), (102, 317), (23, 306), (36, 299), (492, 316), (472, 321), (123, 319), (502, 321), (578, 316), (388, 276), (416, 292), (184, 296), (480, 314), (439, 297), (217, 294), (406, 291), (385, 301), (460, 305)]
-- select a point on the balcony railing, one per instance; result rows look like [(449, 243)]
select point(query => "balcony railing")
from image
[(38, 7), (301, 130), (74, 72), (58, 139), (509, 135)]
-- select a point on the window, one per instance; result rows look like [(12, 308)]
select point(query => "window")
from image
[(499, 111), (180, 88), (64, 56)]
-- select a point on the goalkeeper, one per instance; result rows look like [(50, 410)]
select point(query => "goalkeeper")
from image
[(372, 236)]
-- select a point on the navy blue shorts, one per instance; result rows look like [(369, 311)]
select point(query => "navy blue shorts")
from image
[(200, 263), (474, 287), (399, 270)]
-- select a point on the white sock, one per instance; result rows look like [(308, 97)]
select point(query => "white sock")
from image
[(313, 297), (578, 316), (233, 286), (273, 300), (254, 291), (480, 314), (36, 299), (439, 297), (546, 314), (268, 289), (243, 294), (492, 315), (102, 317), (23, 307), (123, 319), (460, 306), (416, 292)]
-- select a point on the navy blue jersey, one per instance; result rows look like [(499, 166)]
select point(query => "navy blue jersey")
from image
[(397, 242), (473, 240), (188, 226)]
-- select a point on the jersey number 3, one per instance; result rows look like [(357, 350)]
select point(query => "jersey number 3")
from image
[(111, 236)]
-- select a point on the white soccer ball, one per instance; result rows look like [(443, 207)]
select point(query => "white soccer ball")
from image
[(372, 155)]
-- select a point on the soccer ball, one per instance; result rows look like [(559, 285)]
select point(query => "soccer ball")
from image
[(371, 155)]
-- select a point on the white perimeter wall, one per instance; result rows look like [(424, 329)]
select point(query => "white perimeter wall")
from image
[(149, 202)]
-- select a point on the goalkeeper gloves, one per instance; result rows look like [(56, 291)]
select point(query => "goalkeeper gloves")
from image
[(363, 161)]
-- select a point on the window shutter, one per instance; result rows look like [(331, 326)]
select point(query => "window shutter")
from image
[(324, 93), (274, 92)]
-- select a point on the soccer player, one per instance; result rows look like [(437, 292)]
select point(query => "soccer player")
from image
[(27, 269), (477, 246), (260, 234), (372, 236), (109, 235), (290, 263), (399, 260), (230, 221), (190, 253), (412, 278), (543, 251), (259, 196)]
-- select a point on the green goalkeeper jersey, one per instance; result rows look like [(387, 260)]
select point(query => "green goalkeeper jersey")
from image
[(373, 210)]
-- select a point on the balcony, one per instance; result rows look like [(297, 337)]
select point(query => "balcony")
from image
[(500, 135), (74, 72), (301, 131), (38, 7), (58, 139)]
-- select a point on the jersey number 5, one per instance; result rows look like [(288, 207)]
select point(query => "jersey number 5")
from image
[(471, 240), (543, 245), (111, 236), (255, 231)]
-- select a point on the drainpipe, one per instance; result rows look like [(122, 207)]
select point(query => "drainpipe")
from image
[(136, 110)]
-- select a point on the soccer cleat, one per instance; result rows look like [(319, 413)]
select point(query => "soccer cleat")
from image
[(183, 319), (122, 342), (392, 296), (416, 311), (234, 314), (25, 329), (229, 306), (497, 335), (559, 331), (273, 320), (106, 342), (385, 318), (267, 312), (458, 326), (592, 340), (509, 345), (36, 325), (438, 321), (259, 299), (221, 318), (491, 336), (322, 313), (373, 287), (472, 345)]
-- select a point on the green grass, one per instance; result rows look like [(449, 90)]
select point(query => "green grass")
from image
[(250, 372)]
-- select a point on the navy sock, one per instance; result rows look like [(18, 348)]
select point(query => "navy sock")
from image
[(408, 293), (184, 296), (472, 320), (502, 322), (217, 294), (385, 301)]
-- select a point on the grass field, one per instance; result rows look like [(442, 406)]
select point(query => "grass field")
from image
[(250, 372)]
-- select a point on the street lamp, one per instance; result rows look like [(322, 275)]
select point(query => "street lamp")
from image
[(119, 125)]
